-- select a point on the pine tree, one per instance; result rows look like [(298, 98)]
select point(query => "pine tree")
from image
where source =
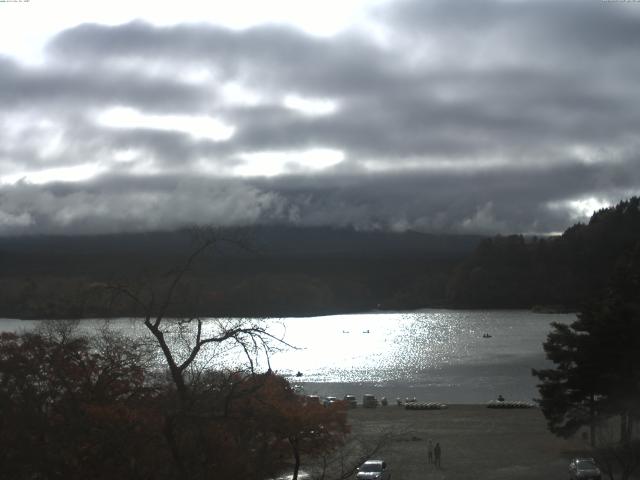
[(597, 366)]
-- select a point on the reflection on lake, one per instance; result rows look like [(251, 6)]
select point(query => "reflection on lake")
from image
[(435, 355)]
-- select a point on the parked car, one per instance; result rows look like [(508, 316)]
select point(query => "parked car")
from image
[(369, 401), (351, 401), (373, 469), (584, 469), (329, 401), (302, 475), (313, 399)]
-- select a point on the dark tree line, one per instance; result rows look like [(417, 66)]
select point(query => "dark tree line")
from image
[(287, 272), (554, 272), (324, 271), (596, 374)]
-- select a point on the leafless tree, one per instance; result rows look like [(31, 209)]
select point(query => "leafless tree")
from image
[(185, 339), (191, 334)]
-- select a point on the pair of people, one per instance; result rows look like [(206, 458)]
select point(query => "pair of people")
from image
[(434, 454)]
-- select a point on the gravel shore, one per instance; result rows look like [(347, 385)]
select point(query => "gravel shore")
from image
[(477, 442)]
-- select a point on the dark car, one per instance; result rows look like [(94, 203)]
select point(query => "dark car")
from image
[(351, 401), (584, 469), (369, 401)]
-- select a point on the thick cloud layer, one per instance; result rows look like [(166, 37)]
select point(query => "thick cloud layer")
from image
[(488, 116)]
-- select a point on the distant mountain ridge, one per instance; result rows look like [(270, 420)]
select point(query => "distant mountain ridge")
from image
[(286, 270), (313, 271), (268, 239)]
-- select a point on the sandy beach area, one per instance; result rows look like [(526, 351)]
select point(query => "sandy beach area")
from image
[(477, 442)]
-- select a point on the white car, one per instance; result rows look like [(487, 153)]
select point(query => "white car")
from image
[(329, 401), (351, 401), (302, 475), (373, 469)]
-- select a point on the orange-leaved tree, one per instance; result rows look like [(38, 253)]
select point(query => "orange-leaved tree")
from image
[(287, 423), (69, 411)]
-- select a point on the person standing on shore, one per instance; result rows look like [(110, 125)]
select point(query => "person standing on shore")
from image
[(438, 453), (430, 452)]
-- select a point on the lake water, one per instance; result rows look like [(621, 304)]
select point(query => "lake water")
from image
[(433, 355)]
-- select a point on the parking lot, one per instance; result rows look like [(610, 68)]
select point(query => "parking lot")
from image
[(477, 442)]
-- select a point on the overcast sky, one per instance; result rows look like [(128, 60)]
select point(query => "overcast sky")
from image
[(467, 116)]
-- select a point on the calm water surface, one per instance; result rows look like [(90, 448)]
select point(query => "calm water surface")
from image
[(434, 355)]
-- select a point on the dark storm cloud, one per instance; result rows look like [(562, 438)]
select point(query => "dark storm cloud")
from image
[(390, 105), (57, 86), (505, 200), (487, 116), (42, 103), (130, 203), (168, 149), (84, 142), (559, 27), (274, 57)]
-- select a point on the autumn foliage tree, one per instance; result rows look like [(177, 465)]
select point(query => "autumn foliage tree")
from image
[(69, 411), (254, 426), (294, 426)]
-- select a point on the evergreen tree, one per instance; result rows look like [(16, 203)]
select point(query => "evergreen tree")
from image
[(597, 366), (571, 392)]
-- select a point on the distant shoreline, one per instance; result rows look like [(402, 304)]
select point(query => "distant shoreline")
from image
[(538, 309)]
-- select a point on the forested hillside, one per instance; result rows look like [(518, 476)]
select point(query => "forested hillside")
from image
[(283, 271), (312, 271), (554, 272)]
